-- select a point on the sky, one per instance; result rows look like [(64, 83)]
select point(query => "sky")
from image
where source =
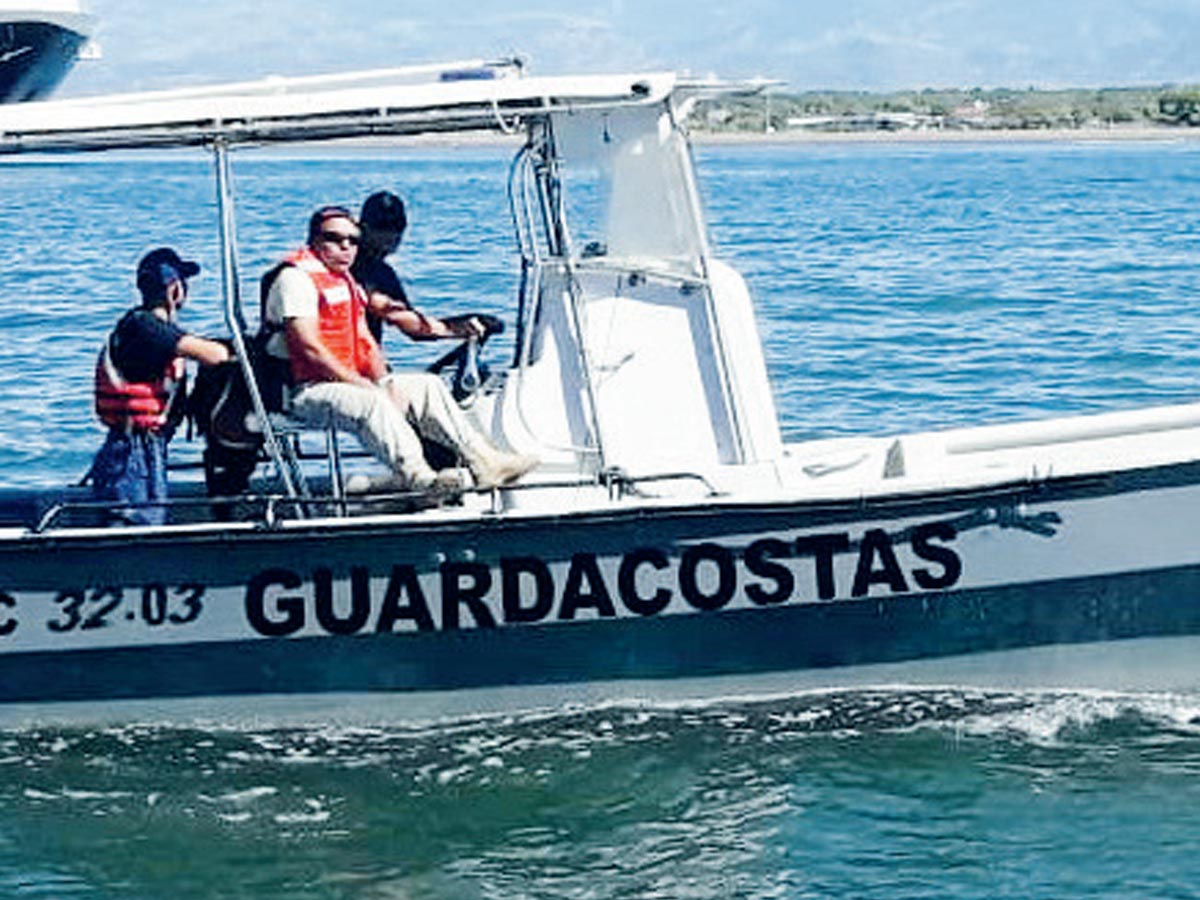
[(830, 44)]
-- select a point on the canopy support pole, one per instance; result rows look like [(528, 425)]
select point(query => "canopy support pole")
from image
[(234, 319), (558, 239)]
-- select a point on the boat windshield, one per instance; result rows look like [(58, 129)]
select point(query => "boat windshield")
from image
[(628, 190)]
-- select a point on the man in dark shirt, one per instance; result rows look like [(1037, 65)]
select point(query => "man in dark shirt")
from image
[(383, 221), (143, 345), (138, 376)]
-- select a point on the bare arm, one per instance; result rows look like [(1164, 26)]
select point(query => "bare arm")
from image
[(204, 351), (415, 324), (304, 342)]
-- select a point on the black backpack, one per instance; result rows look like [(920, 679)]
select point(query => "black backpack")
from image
[(220, 407), (223, 413)]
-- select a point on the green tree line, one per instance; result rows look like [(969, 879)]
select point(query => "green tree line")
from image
[(967, 108)]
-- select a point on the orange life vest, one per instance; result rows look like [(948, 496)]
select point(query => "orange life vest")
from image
[(134, 405), (341, 319)]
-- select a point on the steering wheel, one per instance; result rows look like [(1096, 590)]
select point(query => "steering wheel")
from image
[(469, 374)]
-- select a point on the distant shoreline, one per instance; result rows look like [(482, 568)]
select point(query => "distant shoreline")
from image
[(466, 141), (951, 136), (799, 137)]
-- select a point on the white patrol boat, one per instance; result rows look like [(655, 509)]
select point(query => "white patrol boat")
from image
[(40, 42), (670, 545)]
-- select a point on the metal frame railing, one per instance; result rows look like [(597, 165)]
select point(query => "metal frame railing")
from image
[(618, 485)]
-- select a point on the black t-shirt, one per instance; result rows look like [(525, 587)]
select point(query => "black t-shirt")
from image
[(375, 275), (142, 345)]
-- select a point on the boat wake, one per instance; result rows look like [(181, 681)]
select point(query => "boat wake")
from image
[(1043, 717), (650, 798)]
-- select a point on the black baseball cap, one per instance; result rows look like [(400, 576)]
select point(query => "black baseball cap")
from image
[(160, 267)]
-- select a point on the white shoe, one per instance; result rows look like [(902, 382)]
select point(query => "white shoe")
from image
[(447, 482), (392, 483), (450, 482), (358, 484), (500, 468)]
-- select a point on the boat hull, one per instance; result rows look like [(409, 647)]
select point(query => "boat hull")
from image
[(35, 56), (618, 604)]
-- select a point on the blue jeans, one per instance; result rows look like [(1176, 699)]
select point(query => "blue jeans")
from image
[(132, 468)]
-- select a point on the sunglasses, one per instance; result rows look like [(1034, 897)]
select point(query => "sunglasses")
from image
[(336, 237)]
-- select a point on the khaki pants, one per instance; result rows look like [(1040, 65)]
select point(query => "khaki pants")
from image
[(390, 417)]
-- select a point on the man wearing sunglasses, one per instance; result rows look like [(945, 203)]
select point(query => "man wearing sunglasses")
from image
[(317, 311)]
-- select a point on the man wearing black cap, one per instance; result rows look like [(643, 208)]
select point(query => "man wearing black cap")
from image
[(383, 221), (138, 375)]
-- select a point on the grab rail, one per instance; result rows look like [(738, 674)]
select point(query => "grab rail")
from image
[(270, 509)]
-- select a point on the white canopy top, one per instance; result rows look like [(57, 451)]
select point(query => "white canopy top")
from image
[(468, 95), (68, 14), (461, 96), (37, 7)]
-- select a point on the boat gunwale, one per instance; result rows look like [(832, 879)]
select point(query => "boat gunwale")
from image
[(814, 512)]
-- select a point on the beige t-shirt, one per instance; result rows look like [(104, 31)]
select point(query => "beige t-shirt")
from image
[(292, 296)]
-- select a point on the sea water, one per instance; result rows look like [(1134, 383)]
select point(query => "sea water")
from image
[(898, 288)]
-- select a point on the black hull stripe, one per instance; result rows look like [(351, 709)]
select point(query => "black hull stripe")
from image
[(801, 637)]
